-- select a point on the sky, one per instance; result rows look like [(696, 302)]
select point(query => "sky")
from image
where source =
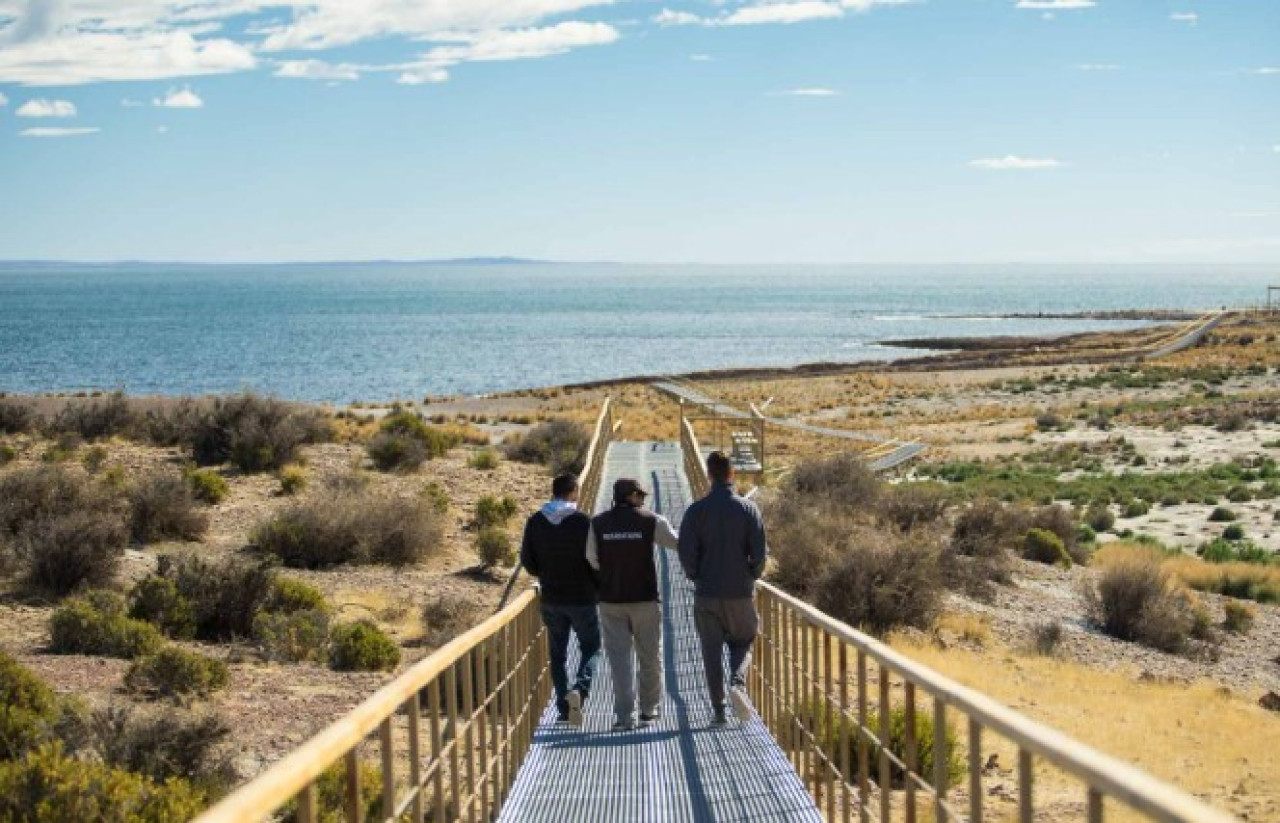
[(719, 131)]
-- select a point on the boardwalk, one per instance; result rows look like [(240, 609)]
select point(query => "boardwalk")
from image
[(678, 769)]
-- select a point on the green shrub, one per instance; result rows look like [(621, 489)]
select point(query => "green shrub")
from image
[(225, 595), (93, 459), (494, 511), (1044, 546), (293, 637), (63, 449), (831, 728), (1136, 600), (405, 441), (49, 786), (97, 624), (1221, 514), (436, 496), (1100, 518), (331, 795), (1239, 617), (494, 547), (1233, 532), (397, 452), (254, 434), (361, 528), (289, 595), (163, 508), (163, 743), (175, 672), (485, 460), (362, 646), (1136, 507), (8, 454), (61, 553), (1240, 494), (560, 445), (1086, 534), (207, 486), (293, 480), (1226, 550), (156, 600), (28, 709)]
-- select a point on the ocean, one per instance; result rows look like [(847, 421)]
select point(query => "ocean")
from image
[(381, 331)]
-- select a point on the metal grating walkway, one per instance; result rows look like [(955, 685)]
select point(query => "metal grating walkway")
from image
[(677, 770)]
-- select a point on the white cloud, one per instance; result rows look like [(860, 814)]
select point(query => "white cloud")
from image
[(1011, 162), (183, 98), (1276, 148), (162, 129), (418, 77), (46, 108), (521, 44), (317, 70), (794, 12), (1057, 5), (701, 58), (810, 92), (1185, 17), (1098, 66), (50, 131), (71, 57), (667, 17), (1266, 70)]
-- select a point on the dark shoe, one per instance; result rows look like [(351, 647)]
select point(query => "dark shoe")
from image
[(718, 719), (650, 717), (574, 715), (626, 725), (562, 717)]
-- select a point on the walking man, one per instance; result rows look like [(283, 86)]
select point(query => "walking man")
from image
[(554, 550), (723, 551), (620, 546)]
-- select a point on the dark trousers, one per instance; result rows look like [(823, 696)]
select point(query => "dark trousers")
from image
[(722, 622), (585, 622)]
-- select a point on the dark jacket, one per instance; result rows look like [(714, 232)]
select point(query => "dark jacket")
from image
[(556, 554), (623, 540), (722, 544)]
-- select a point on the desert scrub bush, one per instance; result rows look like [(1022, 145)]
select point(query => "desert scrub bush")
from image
[(1229, 550), (841, 480), (8, 454), (1050, 421), (881, 582), (1239, 617), (44, 492), (1221, 514), (156, 600), (1085, 534), (445, 617), (1061, 521), (50, 786), (1043, 546), (362, 647), (175, 672), (252, 433), (207, 485), (293, 480), (225, 595), (162, 508), (162, 743), (29, 709), (17, 417), (293, 625), (484, 460), (396, 452), (560, 445), (1240, 494), (1234, 532), (908, 505), (405, 441), (1246, 581), (436, 497), (1137, 600), (494, 547), (1099, 517), (93, 459), (492, 511), (834, 729), (360, 528), (97, 419), (62, 553), (97, 623), (1046, 637), (1136, 508), (331, 795)]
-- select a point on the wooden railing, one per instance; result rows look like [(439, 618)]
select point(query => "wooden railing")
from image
[(812, 683), (449, 735), (692, 456), (593, 466)]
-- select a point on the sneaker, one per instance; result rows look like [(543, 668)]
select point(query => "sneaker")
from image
[(624, 725), (574, 715), (650, 716), (718, 719), (562, 717), (741, 703)]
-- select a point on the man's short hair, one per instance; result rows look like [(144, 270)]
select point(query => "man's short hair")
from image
[(564, 485), (719, 467)]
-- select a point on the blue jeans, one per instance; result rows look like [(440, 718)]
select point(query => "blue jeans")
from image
[(585, 622)]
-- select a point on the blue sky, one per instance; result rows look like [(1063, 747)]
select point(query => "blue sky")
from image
[(701, 130)]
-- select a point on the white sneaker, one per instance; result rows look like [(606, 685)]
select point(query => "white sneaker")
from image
[(741, 703), (574, 700)]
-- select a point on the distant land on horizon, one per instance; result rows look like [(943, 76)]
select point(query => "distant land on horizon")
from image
[(504, 260)]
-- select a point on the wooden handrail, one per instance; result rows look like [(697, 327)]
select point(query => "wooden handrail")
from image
[(297, 772)]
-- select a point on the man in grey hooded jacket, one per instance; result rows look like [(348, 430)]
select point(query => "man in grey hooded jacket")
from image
[(723, 551)]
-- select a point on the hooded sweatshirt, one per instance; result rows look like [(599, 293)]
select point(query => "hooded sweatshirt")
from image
[(554, 550)]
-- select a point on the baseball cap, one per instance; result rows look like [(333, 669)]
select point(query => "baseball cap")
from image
[(624, 487)]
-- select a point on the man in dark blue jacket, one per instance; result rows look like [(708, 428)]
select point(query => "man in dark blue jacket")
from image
[(554, 550), (723, 551)]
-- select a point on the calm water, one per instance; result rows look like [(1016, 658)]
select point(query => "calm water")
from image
[(380, 331)]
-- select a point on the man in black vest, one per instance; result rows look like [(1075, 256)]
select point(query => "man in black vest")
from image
[(554, 550), (621, 547), (723, 551)]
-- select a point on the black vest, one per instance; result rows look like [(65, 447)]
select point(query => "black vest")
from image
[(561, 553), (624, 545)]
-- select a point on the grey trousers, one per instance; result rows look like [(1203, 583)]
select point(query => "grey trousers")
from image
[(626, 626), (721, 622)]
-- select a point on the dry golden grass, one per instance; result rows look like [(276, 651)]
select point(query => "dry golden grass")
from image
[(1200, 738), (1196, 573), (970, 628)]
